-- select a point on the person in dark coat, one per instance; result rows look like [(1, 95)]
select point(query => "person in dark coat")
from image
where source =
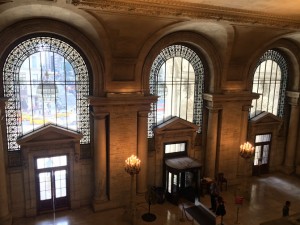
[(286, 209), (214, 193), (221, 211)]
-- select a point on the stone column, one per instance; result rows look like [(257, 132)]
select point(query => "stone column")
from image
[(100, 157), (5, 216), (290, 154), (142, 150), (211, 148), (244, 166)]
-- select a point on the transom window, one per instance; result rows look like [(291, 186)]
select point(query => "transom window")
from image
[(176, 77), (269, 81), (46, 81), (175, 147)]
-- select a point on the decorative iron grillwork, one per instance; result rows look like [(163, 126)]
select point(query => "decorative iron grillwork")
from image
[(159, 85), (270, 80), (16, 84)]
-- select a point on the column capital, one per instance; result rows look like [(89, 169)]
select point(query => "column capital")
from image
[(230, 97), (293, 97), (113, 102), (214, 109), (143, 113), (246, 108), (99, 116)]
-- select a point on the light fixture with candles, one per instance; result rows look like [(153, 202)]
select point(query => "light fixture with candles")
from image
[(246, 150), (132, 165)]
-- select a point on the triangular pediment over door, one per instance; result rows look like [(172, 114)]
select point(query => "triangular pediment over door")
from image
[(263, 133), (49, 134), (177, 127), (175, 130), (264, 123), (45, 142)]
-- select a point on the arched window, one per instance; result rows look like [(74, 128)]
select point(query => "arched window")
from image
[(47, 81), (270, 79), (177, 77)]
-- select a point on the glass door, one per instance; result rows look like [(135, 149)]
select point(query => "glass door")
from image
[(262, 153), (52, 183)]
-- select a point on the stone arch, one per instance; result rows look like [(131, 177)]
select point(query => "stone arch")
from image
[(197, 43), (14, 34), (290, 51)]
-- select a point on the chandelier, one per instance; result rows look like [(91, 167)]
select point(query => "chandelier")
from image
[(246, 150)]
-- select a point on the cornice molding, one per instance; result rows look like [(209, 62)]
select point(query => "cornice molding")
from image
[(4, 1), (188, 11)]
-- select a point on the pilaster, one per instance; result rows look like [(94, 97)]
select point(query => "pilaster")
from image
[(100, 159), (290, 154), (5, 215), (142, 150)]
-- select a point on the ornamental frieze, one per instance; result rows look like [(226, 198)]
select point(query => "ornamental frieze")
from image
[(184, 10)]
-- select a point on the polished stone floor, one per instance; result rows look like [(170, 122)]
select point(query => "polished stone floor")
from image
[(267, 194)]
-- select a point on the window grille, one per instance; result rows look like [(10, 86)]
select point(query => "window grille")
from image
[(270, 80), (177, 77), (47, 81)]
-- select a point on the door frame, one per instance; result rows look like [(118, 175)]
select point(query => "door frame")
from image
[(52, 177), (262, 168), (45, 142)]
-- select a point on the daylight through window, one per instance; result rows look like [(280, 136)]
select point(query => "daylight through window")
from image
[(177, 78), (46, 81)]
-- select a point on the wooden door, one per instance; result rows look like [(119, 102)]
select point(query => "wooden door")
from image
[(52, 186)]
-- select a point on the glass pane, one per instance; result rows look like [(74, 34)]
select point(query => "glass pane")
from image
[(50, 162), (262, 138), (49, 83), (269, 81), (177, 78), (174, 186), (60, 183), (178, 147), (45, 185), (257, 154), (265, 154), (169, 182)]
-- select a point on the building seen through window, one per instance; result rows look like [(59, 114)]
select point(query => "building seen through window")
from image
[(177, 79), (269, 81), (48, 92), (46, 81)]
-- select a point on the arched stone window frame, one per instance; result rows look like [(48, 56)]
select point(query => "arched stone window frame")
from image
[(17, 31), (276, 57), (200, 45), (11, 77)]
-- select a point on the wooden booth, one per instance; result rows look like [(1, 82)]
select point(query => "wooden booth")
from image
[(174, 141)]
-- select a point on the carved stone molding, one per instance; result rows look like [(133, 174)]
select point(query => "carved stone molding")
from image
[(187, 10)]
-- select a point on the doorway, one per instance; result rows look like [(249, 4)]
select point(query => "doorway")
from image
[(52, 183), (262, 154)]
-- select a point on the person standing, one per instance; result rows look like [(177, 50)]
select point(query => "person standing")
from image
[(286, 209), (221, 211), (214, 193)]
